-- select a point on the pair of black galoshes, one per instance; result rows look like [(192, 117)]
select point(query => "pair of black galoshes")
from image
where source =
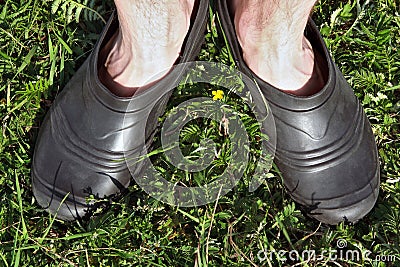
[(325, 150)]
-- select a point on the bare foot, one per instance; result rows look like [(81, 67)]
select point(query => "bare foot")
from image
[(147, 44), (271, 34)]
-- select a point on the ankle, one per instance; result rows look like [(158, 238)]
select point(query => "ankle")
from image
[(275, 49), (286, 67), (138, 65), (141, 53)]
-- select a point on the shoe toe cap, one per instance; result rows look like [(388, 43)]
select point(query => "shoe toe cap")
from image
[(338, 182), (351, 214)]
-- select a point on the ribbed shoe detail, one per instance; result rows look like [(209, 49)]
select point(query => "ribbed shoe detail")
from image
[(329, 155), (81, 150)]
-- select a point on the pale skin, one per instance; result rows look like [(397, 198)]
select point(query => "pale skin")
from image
[(151, 35)]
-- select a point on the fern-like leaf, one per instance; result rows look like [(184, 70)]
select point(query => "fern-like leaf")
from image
[(73, 10)]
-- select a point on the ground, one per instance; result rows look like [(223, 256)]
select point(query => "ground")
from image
[(42, 43)]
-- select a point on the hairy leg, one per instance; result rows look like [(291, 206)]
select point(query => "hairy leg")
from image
[(147, 44), (271, 34)]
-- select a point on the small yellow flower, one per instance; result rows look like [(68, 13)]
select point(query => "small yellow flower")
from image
[(218, 95)]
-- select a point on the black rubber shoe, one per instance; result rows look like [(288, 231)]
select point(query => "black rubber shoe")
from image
[(80, 149), (326, 150)]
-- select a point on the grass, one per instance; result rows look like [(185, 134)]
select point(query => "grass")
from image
[(42, 43)]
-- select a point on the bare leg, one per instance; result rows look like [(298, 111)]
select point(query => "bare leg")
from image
[(149, 40), (271, 33)]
